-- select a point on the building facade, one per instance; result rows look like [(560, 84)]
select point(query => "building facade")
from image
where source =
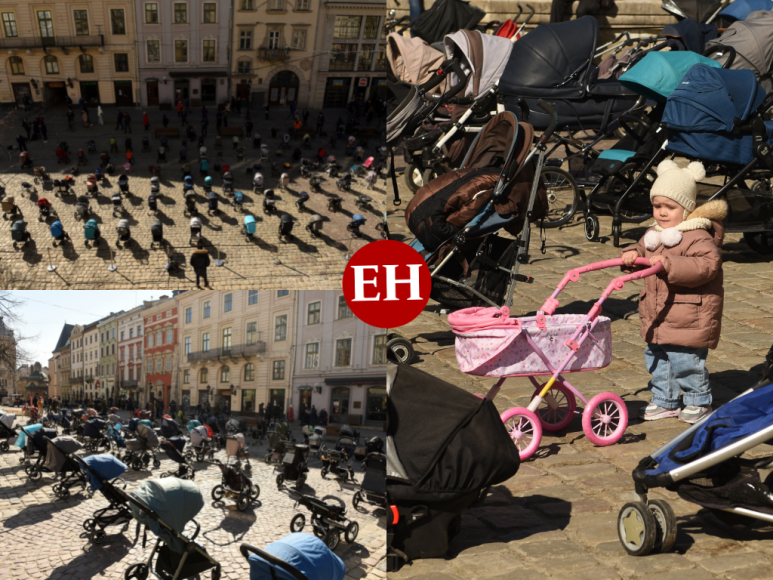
[(53, 376), (236, 348), (340, 364), (8, 360), (33, 380), (106, 370), (160, 328), (91, 359), (77, 385), (130, 354), (63, 366), (273, 51), (183, 51), (55, 50)]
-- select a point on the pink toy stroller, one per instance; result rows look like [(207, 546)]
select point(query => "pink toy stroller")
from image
[(490, 344)]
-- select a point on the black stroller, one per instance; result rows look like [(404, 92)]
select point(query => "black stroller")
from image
[(269, 202), (123, 183), (95, 435), (337, 462), (141, 450), (124, 233), (235, 484), (170, 428), (286, 227), (19, 234), (295, 466), (59, 460), (104, 472), (328, 520), (7, 431), (277, 447), (157, 237), (35, 450), (173, 447), (212, 200), (373, 487)]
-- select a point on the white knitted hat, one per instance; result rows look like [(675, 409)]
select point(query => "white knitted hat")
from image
[(678, 184)]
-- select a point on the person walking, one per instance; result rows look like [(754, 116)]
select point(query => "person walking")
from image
[(25, 124), (100, 114), (146, 120), (204, 125), (85, 118), (320, 123), (292, 110), (180, 109), (313, 416), (266, 111), (127, 123), (200, 263), (305, 116), (22, 141), (43, 129), (119, 120)]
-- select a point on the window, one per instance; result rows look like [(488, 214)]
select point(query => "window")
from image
[(312, 356), (113, 348), (187, 376), (313, 313), (366, 56), (139, 330), (343, 352), (371, 27), (180, 13), (210, 13), (181, 54), (247, 5), (168, 363), (159, 338), (280, 328), (276, 5), (379, 349), (225, 375), (204, 375), (278, 370), (131, 374), (81, 22), (206, 309), (299, 39), (302, 5), (52, 65), (131, 333), (273, 39), (342, 56), (169, 313), (252, 297), (343, 308), (151, 17), (9, 24), (229, 298), (226, 340), (87, 63), (347, 27), (150, 340), (188, 315), (117, 21), (249, 372), (205, 342), (122, 334), (381, 63), (159, 362), (245, 43), (252, 333), (131, 352), (282, 293), (170, 336), (17, 66), (121, 62), (248, 401), (243, 67), (187, 345)]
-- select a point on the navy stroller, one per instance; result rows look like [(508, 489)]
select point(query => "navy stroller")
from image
[(174, 448), (297, 556)]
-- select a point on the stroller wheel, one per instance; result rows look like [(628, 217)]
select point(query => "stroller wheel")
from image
[(616, 231), (636, 528), (323, 472), (356, 500), (563, 196), (35, 475), (524, 429), (199, 458), (402, 349), (4, 446), (156, 463), (243, 502), (591, 228), (605, 419), (267, 459), (280, 479), (137, 572), (413, 178), (556, 410), (137, 465), (89, 524), (254, 492), (98, 536), (218, 493), (666, 521), (297, 523), (350, 535), (332, 539)]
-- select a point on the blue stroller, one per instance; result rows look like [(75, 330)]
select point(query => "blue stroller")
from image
[(704, 466), (104, 474), (187, 184), (249, 227), (355, 224), (91, 232), (239, 200), (58, 233), (208, 183), (297, 556)]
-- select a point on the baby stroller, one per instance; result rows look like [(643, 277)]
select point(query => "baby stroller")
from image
[(63, 186), (362, 202), (373, 487), (303, 197), (235, 448), (124, 233), (201, 443), (334, 203), (429, 490), (91, 146), (239, 153), (284, 181), (277, 447), (44, 206), (286, 227), (140, 451), (332, 166), (104, 159), (239, 200), (183, 154), (314, 227), (7, 431), (212, 201), (10, 208), (337, 462), (95, 434), (249, 227), (153, 203), (157, 233), (355, 224), (61, 155), (103, 473), (208, 183), (295, 466), (345, 183), (350, 143), (82, 207), (173, 447), (59, 460), (145, 144), (195, 229), (370, 179), (314, 437), (235, 484), (704, 465), (170, 428), (58, 233), (269, 202), (328, 518), (264, 152), (315, 183), (32, 440), (123, 183), (228, 183), (299, 556), (257, 183), (190, 203), (165, 507), (19, 234), (187, 184), (91, 184), (42, 176), (117, 203)]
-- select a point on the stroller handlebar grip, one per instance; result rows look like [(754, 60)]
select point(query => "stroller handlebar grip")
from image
[(721, 48), (548, 108), (456, 68)]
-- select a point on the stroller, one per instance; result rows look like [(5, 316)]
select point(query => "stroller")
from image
[(33, 442), (373, 487), (188, 184), (165, 507), (124, 233), (170, 428), (141, 450), (228, 183), (234, 448), (95, 435), (103, 473), (239, 200), (328, 518), (157, 233), (334, 203), (19, 234), (337, 462), (249, 227), (91, 184), (355, 224), (190, 203), (173, 447), (704, 465), (153, 203), (427, 490), (201, 443), (278, 445), (284, 181), (303, 198), (123, 183), (345, 183), (257, 183), (195, 229), (45, 208), (298, 556), (235, 484), (315, 183), (117, 203), (7, 431), (9, 207), (59, 460), (314, 437), (286, 227), (212, 201), (269, 202), (314, 227), (295, 466)]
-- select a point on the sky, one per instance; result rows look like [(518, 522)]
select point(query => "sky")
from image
[(44, 313)]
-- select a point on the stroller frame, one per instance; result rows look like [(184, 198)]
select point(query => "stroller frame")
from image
[(70, 475), (115, 514), (327, 521), (245, 496)]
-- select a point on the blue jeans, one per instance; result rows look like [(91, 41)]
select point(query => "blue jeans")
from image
[(676, 369)]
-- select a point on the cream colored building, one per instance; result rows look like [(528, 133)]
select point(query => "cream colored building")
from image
[(52, 50), (91, 360), (236, 348)]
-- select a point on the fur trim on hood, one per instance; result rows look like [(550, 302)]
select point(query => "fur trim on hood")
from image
[(702, 218)]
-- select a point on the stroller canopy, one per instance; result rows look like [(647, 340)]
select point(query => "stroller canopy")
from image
[(691, 34), (399, 119), (752, 40), (7, 419), (103, 467), (445, 17), (22, 439), (174, 501), (495, 142), (411, 59), (482, 56), (659, 73), (741, 9), (698, 10), (305, 552)]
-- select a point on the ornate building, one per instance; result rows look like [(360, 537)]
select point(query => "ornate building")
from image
[(160, 327)]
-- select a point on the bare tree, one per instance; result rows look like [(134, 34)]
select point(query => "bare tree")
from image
[(12, 351)]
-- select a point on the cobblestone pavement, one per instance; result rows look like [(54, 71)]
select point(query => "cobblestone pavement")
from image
[(557, 516), (44, 538), (264, 262)]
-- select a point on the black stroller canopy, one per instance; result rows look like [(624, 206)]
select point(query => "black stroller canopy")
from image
[(699, 10), (445, 17)]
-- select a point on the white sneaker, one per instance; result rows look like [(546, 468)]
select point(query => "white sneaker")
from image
[(653, 412), (692, 414)]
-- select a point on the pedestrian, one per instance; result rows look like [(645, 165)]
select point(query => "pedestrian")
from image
[(204, 124), (320, 123), (685, 241), (180, 109), (323, 417), (43, 130), (200, 263), (127, 123), (173, 408), (248, 126), (305, 117), (119, 120), (26, 126), (266, 110), (292, 110), (219, 120), (41, 405), (165, 121), (70, 119), (313, 416), (85, 118), (146, 120), (22, 141), (100, 114)]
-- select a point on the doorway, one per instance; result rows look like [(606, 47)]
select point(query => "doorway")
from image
[(19, 90), (277, 398), (123, 93), (223, 400), (283, 89), (181, 90), (243, 92), (55, 93), (203, 397), (362, 91), (90, 92), (304, 402), (376, 406), (152, 90), (337, 93), (339, 404), (208, 91)]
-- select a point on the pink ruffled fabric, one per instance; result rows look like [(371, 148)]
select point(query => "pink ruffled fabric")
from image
[(473, 319)]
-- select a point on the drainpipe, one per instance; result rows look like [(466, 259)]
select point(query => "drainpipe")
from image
[(231, 23), (138, 101)]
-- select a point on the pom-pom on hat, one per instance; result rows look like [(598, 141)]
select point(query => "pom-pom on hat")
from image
[(678, 184)]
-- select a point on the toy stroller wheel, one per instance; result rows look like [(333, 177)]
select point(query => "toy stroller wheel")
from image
[(156, 463), (189, 454), (591, 228), (35, 475), (243, 502), (760, 242), (254, 492), (350, 535), (605, 419), (297, 523), (218, 492), (199, 458), (98, 536), (280, 480), (666, 523), (563, 196), (323, 472), (332, 539), (524, 429), (137, 572), (556, 410), (57, 489), (137, 464), (267, 459), (402, 349), (636, 528), (89, 524), (356, 500)]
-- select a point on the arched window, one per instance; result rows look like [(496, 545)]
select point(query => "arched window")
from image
[(225, 374), (204, 375), (249, 372), (87, 63), (52, 65), (17, 66)]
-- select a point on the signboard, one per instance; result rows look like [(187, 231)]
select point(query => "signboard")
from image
[(363, 82), (97, 384)]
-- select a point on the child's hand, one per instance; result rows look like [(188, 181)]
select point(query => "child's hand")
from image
[(629, 258), (658, 259)]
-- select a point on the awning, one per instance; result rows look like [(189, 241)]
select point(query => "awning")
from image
[(196, 74), (365, 381)]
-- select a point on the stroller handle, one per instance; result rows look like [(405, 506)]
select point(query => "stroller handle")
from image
[(548, 108)]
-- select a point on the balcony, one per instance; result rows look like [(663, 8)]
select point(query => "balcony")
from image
[(51, 42), (76, 380), (274, 54), (242, 350), (129, 384), (89, 379)]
